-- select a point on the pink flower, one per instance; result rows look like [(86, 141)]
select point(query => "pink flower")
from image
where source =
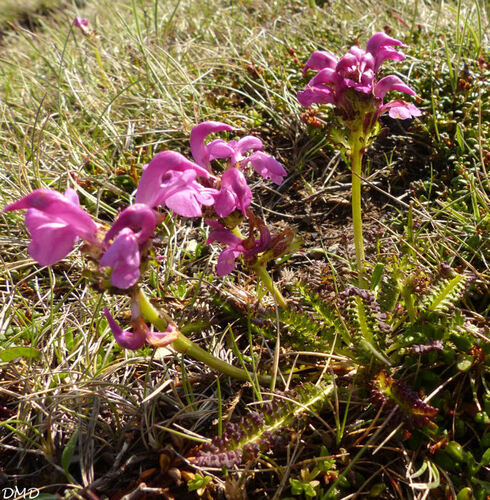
[(379, 45), (202, 153), (267, 166), (351, 85), (170, 179), (320, 60), (80, 22), (141, 333), (234, 194), (236, 246), (234, 151), (132, 229), (139, 218), (124, 258), (227, 258), (55, 222)]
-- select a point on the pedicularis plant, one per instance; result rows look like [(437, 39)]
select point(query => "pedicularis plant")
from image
[(352, 85), (198, 188), (187, 188), (403, 315)]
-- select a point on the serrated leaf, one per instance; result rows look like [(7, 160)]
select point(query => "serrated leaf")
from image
[(19, 352)]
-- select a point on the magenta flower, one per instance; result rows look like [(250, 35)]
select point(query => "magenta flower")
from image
[(227, 258), (348, 82), (55, 222), (127, 339), (380, 46), (80, 22), (203, 154), (236, 246), (320, 60), (234, 151), (131, 230), (124, 258), (170, 179), (141, 333), (139, 218), (234, 194), (267, 166)]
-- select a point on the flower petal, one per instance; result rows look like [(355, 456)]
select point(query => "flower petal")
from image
[(219, 149), (225, 202), (379, 46), (124, 258), (400, 109), (235, 194), (162, 339), (227, 261), (247, 143), (139, 218), (391, 82), (199, 151), (160, 170), (125, 338), (59, 209), (267, 166), (50, 241), (316, 95), (320, 60), (224, 236)]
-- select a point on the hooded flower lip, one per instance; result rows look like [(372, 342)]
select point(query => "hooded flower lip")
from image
[(200, 152), (139, 218), (55, 222), (80, 22), (320, 60), (388, 83), (170, 179), (267, 166), (380, 46), (127, 339)]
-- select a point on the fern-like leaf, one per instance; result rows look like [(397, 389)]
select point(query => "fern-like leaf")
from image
[(445, 294), (259, 432), (386, 390)]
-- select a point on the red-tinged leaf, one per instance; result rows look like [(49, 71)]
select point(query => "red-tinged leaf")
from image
[(389, 391)]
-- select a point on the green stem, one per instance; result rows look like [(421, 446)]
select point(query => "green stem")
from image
[(357, 146), (185, 346), (266, 280), (99, 62)]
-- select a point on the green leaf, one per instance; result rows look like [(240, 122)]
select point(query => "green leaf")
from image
[(68, 453), (465, 363), (485, 459), (19, 352), (376, 276), (296, 486)]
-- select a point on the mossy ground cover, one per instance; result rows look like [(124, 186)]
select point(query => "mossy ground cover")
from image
[(82, 418)]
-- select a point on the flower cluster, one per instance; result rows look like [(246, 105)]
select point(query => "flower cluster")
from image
[(56, 221), (351, 83)]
